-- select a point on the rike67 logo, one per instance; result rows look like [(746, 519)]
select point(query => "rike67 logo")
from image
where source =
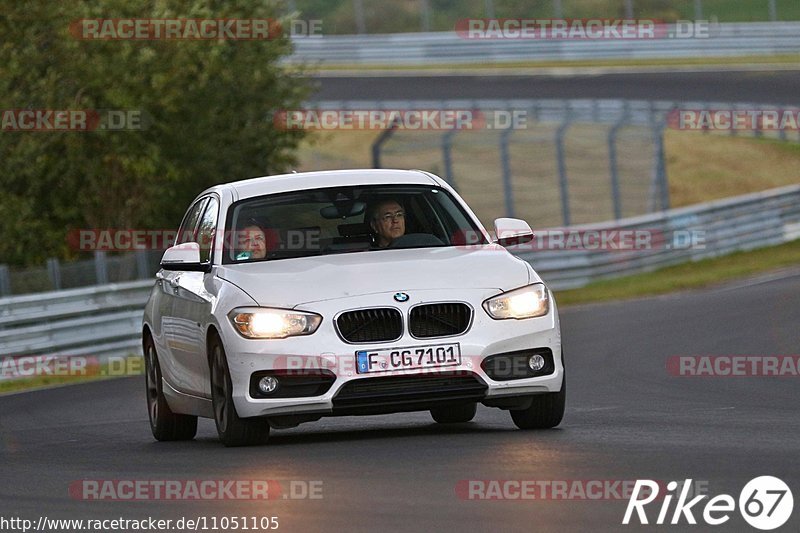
[(765, 503)]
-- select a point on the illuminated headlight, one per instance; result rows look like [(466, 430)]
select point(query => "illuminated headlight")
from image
[(525, 302), (267, 323)]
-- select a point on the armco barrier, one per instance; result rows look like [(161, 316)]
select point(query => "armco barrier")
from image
[(106, 320), (728, 39)]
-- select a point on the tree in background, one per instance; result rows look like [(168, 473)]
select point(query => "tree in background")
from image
[(206, 106)]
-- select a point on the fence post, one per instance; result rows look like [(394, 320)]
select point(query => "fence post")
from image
[(425, 15), (382, 138), (141, 264), (562, 167), (447, 156), (661, 168), (773, 12), (505, 161), (5, 281), (558, 12), (54, 272), (100, 267), (612, 160), (659, 188), (628, 9), (698, 10), (361, 25)]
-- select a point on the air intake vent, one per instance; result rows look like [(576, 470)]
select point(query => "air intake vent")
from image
[(370, 325), (439, 320)]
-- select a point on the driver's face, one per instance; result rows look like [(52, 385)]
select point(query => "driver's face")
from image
[(389, 222), (255, 242)]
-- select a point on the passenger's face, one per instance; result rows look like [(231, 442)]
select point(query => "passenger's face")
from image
[(255, 242), (389, 222)]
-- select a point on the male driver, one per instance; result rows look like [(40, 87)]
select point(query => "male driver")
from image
[(253, 243), (388, 222)]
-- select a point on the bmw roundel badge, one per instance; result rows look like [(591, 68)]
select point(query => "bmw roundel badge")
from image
[(401, 297)]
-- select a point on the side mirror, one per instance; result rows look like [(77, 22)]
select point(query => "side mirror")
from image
[(184, 256), (512, 231)]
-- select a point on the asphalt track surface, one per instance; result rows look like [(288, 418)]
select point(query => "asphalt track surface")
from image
[(775, 87), (627, 418)]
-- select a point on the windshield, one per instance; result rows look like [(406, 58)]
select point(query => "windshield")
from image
[(345, 219)]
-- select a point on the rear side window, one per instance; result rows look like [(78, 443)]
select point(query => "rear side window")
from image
[(188, 230)]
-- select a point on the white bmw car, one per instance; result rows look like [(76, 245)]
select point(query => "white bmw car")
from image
[(288, 298)]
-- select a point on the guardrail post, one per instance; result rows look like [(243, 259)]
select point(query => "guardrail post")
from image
[(773, 12), (505, 161), (5, 281), (447, 156), (562, 167), (54, 273), (100, 267), (612, 160)]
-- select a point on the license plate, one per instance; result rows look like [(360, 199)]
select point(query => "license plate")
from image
[(410, 357)]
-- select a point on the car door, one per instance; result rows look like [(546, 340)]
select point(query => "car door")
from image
[(168, 282), (193, 297)]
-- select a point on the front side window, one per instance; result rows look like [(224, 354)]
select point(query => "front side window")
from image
[(188, 230), (345, 219), (207, 229)]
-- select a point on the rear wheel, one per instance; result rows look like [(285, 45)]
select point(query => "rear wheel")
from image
[(545, 411), (164, 424), (454, 414), (232, 430)]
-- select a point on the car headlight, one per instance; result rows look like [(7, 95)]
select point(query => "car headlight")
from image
[(269, 323), (526, 302)]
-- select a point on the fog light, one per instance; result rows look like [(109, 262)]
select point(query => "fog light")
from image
[(267, 384), (536, 362)]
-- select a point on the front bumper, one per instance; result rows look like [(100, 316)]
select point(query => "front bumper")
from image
[(405, 390)]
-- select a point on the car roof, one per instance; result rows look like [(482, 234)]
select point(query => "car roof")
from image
[(327, 178)]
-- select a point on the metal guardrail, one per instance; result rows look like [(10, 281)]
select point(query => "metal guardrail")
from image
[(106, 320), (726, 39)]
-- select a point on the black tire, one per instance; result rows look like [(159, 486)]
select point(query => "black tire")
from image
[(545, 411), (164, 424), (454, 414), (232, 430)]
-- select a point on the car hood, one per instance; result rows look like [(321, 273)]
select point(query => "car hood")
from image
[(292, 282)]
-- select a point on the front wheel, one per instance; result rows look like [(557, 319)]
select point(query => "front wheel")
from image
[(164, 424), (232, 430), (546, 410)]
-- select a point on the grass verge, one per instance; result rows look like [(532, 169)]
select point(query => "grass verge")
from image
[(685, 276)]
